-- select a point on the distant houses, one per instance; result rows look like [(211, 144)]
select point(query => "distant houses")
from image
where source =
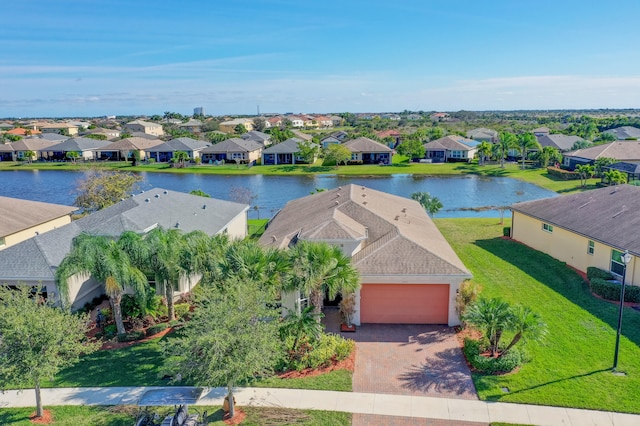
[(627, 151), (450, 149), (153, 129)]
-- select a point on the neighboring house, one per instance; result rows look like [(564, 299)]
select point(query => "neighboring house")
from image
[(408, 271), (36, 145), (110, 134), (483, 134), (59, 128), (324, 121), (153, 129), (275, 121), (52, 137), (123, 149), (368, 151), (230, 125), (395, 135), (234, 149), (440, 116), (34, 261), (295, 121), (163, 153), (327, 141), (560, 142), (23, 219), (337, 121), (257, 136), (541, 131), (4, 126), (85, 147), (286, 152), (628, 151), (624, 132), (590, 228), (194, 126), (7, 152), (451, 148), (310, 121), (631, 170), (20, 131)]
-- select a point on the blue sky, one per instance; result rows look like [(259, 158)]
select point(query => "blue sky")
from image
[(91, 58)]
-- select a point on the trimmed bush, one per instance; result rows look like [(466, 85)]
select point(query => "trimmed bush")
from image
[(327, 349), (155, 329), (506, 363), (593, 272), (611, 290), (562, 174), (130, 337)]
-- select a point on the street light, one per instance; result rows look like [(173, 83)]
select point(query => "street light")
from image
[(626, 258)]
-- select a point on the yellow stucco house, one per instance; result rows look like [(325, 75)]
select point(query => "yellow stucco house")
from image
[(591, 228)]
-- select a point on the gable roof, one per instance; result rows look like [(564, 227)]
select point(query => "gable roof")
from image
[(132, 143), (397, 235), (187, 144), (32, 144), (18, 215), (451, 143), (79, 144), (363, 144), (562, 142), (143, 123), (233, 145), (609, 215), (38, 257), (285, 147), (255, 135), (620, 150), (624, 132), (482, 132)]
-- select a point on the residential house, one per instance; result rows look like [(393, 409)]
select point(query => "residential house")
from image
[(85, 147), (164, 152), (336, 120), (295, 121), (440, 116), (110, 134), (414, 117), (6, 152), (367, 151), (35, 145), (51, 137), (324, 121), (483, 134), (257, 136), (624, 132), (123, 149), (34, 261), (5, 125), (450, 149), (20, 131), (194, 126), (59, 128), (327, 141), (23, 219), (541, 131), (153, 129), (628, 151), (631, 170), (561, 142), (230, 125), (591, 228), (274, 121), (408, 272), (286, 152), (310, 122), (234, 149), (394, 135)]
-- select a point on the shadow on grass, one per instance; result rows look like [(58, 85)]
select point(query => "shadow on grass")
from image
[(12, 417), (577, 376), (563, 280)]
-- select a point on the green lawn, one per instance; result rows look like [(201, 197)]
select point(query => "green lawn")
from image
[(572, 367), (536, 176), (125, 416)]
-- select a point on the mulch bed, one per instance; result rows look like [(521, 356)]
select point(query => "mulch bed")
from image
[(47, 418), (114, 344), (347, 364), (237, 419)]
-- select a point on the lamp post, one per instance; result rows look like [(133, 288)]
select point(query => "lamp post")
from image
[(626, 258)]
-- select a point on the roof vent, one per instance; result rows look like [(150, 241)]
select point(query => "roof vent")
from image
[(404, 210), (364, 195), (339, 188), (337, 202), (364, 202), (177, 225), (147, 200), (397, 217), (587, 203), (624, 209), (274, 238), (165, 192), (157, 195), (204, 207)]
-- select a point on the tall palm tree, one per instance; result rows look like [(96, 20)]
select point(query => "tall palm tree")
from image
[(318, 269), (484, 150), (430, 203), (585, 171), (506, 142), (107, 260), (526, 142)]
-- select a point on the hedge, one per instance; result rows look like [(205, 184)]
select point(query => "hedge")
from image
[(593, 272), (562, 174), (506, 363), (611, 290)]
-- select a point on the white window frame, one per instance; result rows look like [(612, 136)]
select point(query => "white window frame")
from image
[(547, 228)]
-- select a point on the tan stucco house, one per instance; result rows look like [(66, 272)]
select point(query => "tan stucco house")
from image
[(409, 273), (591, 228), (141, 126), (23, 219)]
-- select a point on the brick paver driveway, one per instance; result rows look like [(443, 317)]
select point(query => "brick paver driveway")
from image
[(423, 360)]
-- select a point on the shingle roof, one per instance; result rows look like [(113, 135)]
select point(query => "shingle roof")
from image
[(18, 214), (132, 143), (398, 236), (233, 145), (562, 142), (610, 215), (285, 147), (255, 135), (482, 132), (78, 144), (32, 144), (37, 258), (624, 132), (621, 150), (363, 144), (452, 143), (188, 144)]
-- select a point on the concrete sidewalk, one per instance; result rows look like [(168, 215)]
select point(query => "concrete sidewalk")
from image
[(350, 402)]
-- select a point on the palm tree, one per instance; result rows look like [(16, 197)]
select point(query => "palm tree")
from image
[(484, 150), (430, 203), (318, 269), (615, 177), (585, 171), (29, 154), (526, 142), (507, 141), (302, 326), (180, 158), (547, 154), (526, 325), (107, 261), (492, 316)]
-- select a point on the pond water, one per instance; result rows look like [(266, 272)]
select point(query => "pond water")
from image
[(457, 193)]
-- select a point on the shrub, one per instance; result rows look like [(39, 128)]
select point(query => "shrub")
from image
[(593, 272), (130, 307), (611, 290), (130, 337), (182, 309), (327, 349), (506, 363), (176, 323), (467, 294), (136, 323), (563, 174), (354, 162), (110, 330), (155, 329)]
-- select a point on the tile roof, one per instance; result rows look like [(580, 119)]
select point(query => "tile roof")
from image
[(18, 214), (397, 235), (620, 150), (37, 258), (610, 215), (363, 144)]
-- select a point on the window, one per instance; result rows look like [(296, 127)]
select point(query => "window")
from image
[(617, 265), (546, 227), (354, 156), (2, 241), (591, 247)]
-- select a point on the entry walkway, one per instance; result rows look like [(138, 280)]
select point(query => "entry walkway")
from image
[(351, 402)]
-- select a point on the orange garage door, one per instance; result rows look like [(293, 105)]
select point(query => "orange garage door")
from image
[(404, 303)]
